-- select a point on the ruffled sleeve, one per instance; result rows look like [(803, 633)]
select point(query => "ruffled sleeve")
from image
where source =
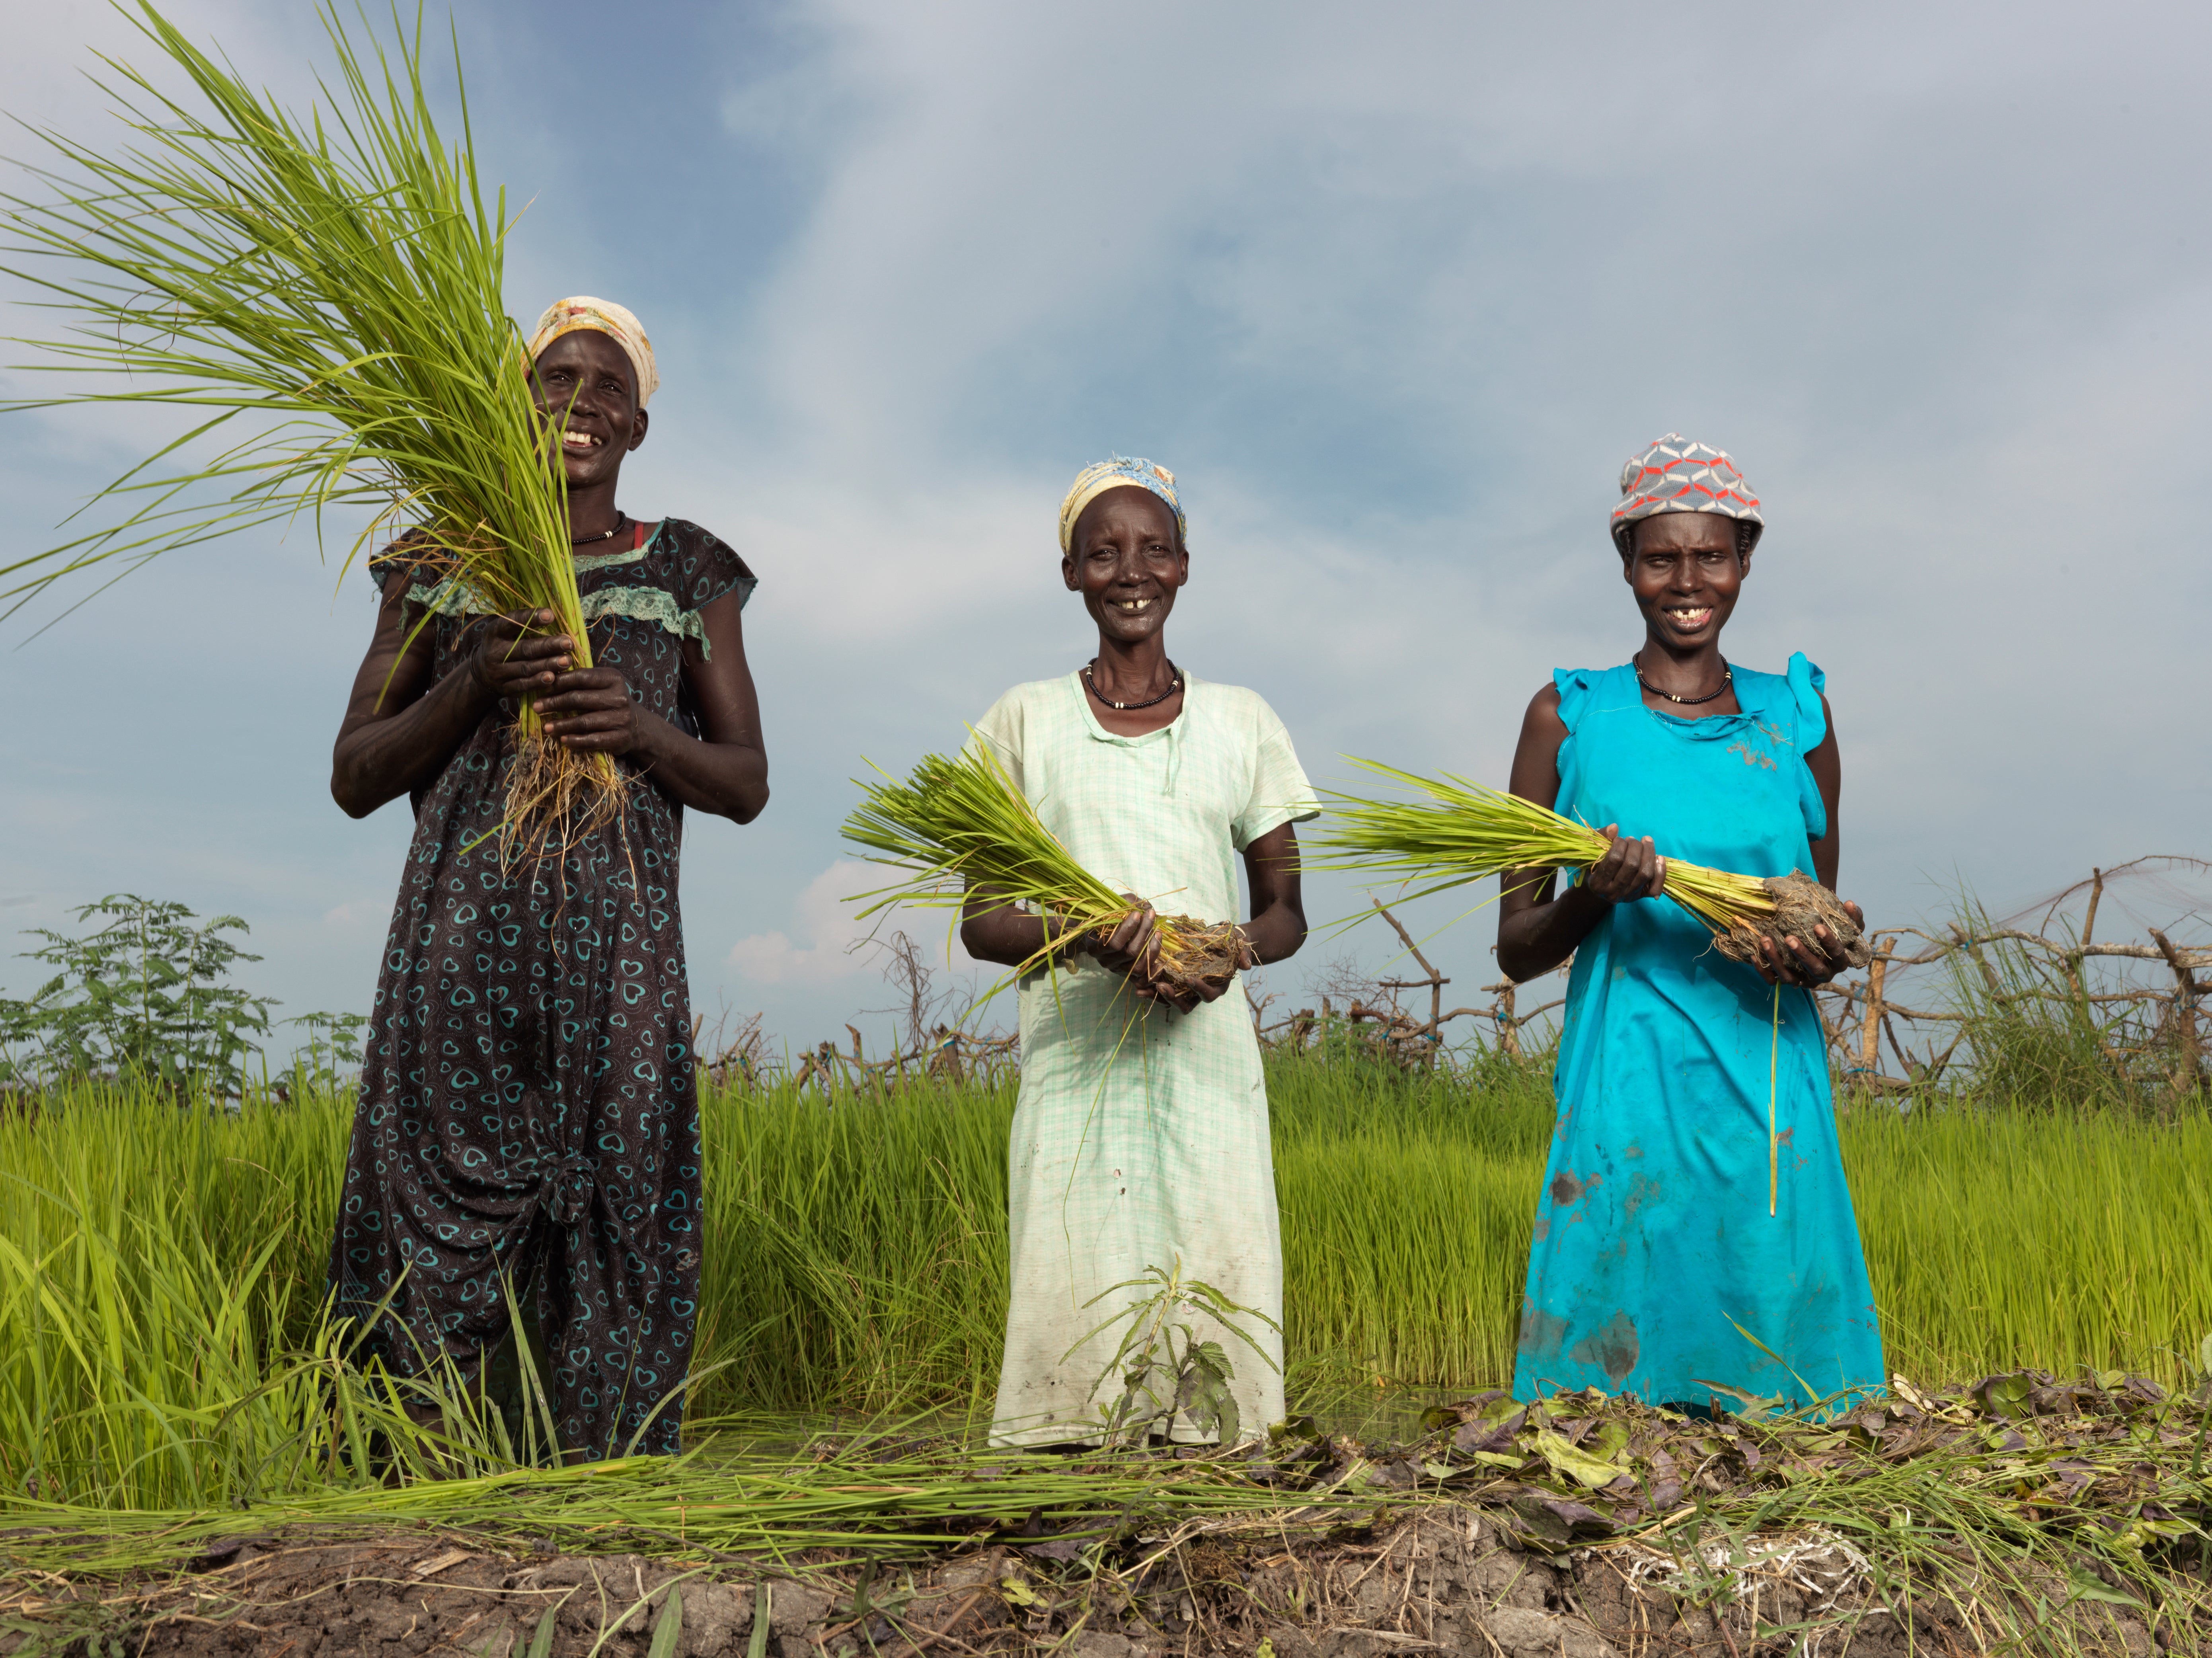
[(1806, 683), (707, 566), (667, 582), (391, 560), (1575, 686)]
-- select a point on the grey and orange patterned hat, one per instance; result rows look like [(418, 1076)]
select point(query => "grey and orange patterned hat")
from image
[(1676, 475)]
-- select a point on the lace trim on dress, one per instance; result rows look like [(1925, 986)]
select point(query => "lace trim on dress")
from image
[(454, 597), (451, 597), (592, 561), (648, 605), (466, 603)]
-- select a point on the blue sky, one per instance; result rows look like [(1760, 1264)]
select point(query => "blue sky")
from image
[(1393, 289)]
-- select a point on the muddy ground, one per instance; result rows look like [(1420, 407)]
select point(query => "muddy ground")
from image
[(1437, 1579)]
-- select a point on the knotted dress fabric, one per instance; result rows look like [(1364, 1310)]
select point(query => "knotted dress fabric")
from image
[(1656, 1268), (529, 1108)]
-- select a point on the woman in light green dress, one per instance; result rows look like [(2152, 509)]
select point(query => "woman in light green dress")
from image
[(1140, 1140)]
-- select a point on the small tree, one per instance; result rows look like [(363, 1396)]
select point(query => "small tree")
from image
[(322, 1064), (140, 997)]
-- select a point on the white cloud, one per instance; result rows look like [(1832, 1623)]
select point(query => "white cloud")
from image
[(1394, 300), (828, 935)]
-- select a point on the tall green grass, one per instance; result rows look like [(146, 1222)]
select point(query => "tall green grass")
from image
[(856, 1254), (155, 1267), (2054, 1239), (1406, 1203), (158, 1266)]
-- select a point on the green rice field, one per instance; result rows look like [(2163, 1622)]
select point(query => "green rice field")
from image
[(161, 1270)]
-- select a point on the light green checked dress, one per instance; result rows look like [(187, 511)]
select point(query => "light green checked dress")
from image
[(1141, 1134)]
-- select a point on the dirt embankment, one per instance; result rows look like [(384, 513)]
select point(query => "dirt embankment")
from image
[(1437, 1579)]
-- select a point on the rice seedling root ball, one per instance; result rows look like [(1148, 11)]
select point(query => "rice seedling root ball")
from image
[(961, 823), (1195, 955), (1801, 904)]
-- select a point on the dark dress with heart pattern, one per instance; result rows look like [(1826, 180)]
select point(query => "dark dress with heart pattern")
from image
[(529, 1107)]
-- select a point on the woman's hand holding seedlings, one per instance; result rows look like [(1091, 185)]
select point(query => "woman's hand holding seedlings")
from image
[(1805, 961), (1631, 868), (1133, 949), (589, 709), (517, 657)]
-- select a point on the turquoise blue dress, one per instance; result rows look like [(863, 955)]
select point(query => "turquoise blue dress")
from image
[(1653, 1240)]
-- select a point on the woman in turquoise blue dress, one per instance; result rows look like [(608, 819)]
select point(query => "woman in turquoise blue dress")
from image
[(1694, 1232)]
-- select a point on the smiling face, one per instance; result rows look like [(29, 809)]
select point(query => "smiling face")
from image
[(1686, 572), (1126, 561), (584, 383)]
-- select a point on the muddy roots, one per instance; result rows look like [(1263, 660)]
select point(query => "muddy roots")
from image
[(1195, 956), (1801, 904)]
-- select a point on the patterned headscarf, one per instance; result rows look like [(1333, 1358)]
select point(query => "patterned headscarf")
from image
[(605, 317), (1112, 474), (1675, 475)]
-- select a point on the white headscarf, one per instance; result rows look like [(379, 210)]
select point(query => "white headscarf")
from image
[(602, 316)]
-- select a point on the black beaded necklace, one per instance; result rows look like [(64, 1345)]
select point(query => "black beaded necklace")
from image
[(621, 519), (1175, 685), (1727, 679)]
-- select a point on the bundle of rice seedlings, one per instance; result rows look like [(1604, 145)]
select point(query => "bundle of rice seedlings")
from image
[(1464, 831), (321, 301), (959, 823)]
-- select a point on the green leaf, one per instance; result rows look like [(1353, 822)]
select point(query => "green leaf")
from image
[(1560, 1452), (1496, 1460), (2087, 1588), (541, 1643), (1205, 1397), (668, 1629), (756, 1642), (2007, 1396)]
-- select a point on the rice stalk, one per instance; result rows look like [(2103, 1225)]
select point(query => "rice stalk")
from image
[(1465, 832), (961, 823), (319, 299)]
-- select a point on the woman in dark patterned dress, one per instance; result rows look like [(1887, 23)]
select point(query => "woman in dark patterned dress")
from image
[(529, 1108)]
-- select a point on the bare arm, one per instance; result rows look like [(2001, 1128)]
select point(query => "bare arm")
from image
[(1277, 926), (1536, 930), (1827, 764)]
